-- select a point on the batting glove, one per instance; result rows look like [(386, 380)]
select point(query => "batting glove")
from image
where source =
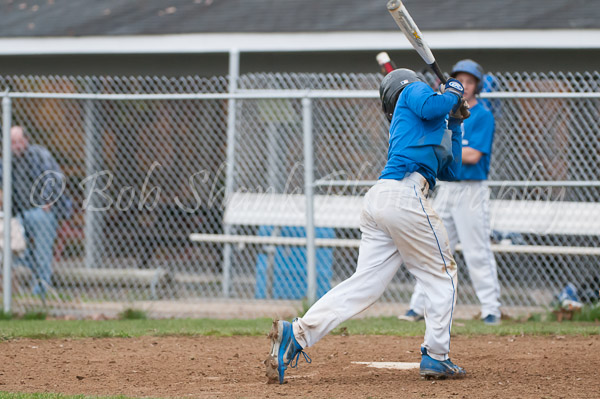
[(462, 112), (453, 86)]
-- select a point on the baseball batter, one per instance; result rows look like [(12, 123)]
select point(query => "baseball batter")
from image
[(398, 224), (464, 205)]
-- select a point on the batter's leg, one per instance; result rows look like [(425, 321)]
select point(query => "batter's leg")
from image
[(424, 246), (417, 301), (444, 205), (378, 262)]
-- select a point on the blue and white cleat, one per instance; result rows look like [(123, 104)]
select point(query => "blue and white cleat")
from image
[(492, 320), (438, 370), (284, 350), (411, 315)]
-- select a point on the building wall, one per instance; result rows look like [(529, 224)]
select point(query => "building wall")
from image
[(333, 62)]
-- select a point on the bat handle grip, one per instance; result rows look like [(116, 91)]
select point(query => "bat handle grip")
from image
[(386, 64), (436, 69)]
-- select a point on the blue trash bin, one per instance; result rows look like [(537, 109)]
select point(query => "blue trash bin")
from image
[(289, 265)]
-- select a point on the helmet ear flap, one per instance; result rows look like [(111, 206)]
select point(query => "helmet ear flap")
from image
[(391, 87), (389, 106), (479, 86), (480, 83)]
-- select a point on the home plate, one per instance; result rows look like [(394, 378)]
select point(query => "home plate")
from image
[(391, 365)]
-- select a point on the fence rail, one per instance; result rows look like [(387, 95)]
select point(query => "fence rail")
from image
[(277, 94), (151, 176)]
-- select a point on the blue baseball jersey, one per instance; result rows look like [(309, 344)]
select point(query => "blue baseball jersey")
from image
[(421, 139), (479, 135)]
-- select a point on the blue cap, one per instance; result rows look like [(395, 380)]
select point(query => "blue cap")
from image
[(470, 67)]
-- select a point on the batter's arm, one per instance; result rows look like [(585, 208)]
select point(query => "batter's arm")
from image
[(452, 170), (423, 101)]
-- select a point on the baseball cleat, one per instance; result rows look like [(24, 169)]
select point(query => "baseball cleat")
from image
[(491, 320), (411, 315), (439, 370), (284, 350)]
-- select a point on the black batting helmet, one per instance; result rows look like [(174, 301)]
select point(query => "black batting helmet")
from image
[(391, 87)]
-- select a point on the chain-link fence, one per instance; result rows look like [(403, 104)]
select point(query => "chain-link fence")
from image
[(173, 205)]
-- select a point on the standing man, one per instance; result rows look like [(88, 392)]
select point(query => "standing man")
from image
[(398, 225), (464, 205), (37, 186)]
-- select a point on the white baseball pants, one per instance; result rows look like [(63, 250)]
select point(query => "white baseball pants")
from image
[(398, 225), (464, 209)]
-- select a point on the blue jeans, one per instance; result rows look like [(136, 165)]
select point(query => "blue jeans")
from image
[(40, 230)]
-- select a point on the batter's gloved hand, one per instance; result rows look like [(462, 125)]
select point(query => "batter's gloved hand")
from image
[(455, 87), (462, 112)]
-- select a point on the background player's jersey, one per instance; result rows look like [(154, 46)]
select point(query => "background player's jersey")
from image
[(479, 135)]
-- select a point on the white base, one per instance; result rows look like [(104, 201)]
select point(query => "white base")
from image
[(391, 365)]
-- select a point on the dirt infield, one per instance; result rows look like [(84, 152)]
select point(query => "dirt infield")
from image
[(211, 367)]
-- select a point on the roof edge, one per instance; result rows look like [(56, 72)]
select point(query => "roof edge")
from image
[(294, 42)]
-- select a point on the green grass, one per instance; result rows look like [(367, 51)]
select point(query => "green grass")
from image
[(5, 316), (11, 329), (588, 313), (133, 314), (8, 395), (391, 326), (35, 315)]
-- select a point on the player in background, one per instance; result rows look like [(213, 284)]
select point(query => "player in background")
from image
[(464, 205), (398, 224)]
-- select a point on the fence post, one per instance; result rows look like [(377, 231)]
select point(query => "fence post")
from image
[(92, 218), (7, 198), (311, 269), (234, 72)]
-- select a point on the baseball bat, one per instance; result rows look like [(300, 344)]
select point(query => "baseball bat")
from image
[(414, 36), (384, 61)]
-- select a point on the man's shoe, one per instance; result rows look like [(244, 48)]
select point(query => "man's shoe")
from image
[(411, 315), (436, 369), (491, 320), (284, 350)]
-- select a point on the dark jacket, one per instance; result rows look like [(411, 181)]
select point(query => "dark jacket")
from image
[(37, 181)]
